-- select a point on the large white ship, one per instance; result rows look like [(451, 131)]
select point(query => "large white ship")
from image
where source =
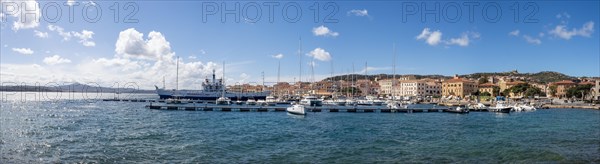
[(212, 89)]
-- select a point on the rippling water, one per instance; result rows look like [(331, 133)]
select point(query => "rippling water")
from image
[(124, 132)]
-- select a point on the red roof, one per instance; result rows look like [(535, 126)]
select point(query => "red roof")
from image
[(456, 80), (564, 82), (515, 83), (487, 85)]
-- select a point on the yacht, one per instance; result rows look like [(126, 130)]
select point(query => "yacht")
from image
[(311, 101)]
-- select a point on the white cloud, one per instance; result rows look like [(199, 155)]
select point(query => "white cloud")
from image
[(324, 31), (563, 15), (84, 38), (65, 35), (23, 51), (278, 56), (532, 40), (131, 44), (320, 54), (53, 60), (431, 38), (192, 57), (26, 16), (514, 33), (362, 12), (562, 31), (40, 34), (464, 39), (434, 38)]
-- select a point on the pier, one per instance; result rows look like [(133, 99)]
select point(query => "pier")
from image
[(256, 108)]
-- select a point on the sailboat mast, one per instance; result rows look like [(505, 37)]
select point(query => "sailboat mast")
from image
[(300, 55), (177, 75), (353, 85), (394, 65), (367, 78), (223, 82)]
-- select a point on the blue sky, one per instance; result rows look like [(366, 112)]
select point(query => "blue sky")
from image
[(553, 36)]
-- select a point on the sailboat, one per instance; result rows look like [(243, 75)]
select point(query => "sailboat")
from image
[(393, 104), (298, 108), (223, 100)]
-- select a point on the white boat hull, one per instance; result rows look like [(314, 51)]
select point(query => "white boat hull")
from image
[(296, 109)]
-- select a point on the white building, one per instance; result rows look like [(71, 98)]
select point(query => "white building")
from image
[(385, 87), (425, 87)]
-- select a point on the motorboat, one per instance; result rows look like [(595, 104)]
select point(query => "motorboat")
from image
[(479, 107), (271, 101), (311, 101), (501, 107), (459, 110), (261, 103), (296, 109), (223, 101), (251, 101)]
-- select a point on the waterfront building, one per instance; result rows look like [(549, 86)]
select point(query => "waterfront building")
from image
[(561, 88), (458, 87), (432, 87), (596, 90), (489, 88)]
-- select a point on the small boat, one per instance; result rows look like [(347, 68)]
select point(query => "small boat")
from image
[(176, 101), (395, 105), (351, 102), (528, 107), (500, 107), (296, 109), (261, 103), (239, 102), (458, 110), (223, 101), (250, 101), (480, 107), (271, 101)]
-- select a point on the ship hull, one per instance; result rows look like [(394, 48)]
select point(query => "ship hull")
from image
[(202, 95)]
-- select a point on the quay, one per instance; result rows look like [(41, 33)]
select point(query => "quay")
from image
[(257, 108)]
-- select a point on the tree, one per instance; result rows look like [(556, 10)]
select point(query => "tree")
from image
[(579, 90), (486, 94), (506, 92), (483, 80), (496, 90), (552, 89)]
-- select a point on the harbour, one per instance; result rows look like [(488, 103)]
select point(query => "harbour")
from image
[(46, 131)]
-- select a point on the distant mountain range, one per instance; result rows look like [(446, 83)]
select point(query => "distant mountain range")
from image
[(540, 77), (75, 87)]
